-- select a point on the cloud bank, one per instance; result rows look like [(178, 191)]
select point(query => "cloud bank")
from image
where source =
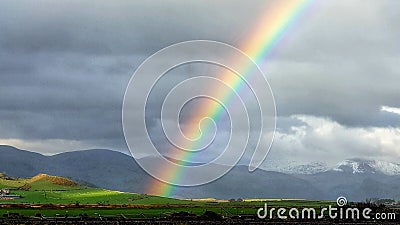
[(65, 65)]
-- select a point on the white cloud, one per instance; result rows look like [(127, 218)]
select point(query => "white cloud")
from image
[(391, 109), (63, 83), (323, 140)]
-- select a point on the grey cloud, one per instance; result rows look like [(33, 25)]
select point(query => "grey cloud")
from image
[(339, 63), (115, 27), (68, 97), (64, 65)]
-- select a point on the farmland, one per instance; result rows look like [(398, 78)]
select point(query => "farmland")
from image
[(51, 198), (56, 196)]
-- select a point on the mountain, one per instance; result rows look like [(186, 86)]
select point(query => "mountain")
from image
[(117, 171), (239, 183), (355, 166), (292, 168), (101, 168), (20, 163), (368, 166), (356, 179)]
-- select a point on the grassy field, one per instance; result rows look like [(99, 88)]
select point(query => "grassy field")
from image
[(226, 209), (45, 189), (87, 196)]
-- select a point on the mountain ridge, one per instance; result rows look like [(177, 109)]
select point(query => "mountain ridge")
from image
[(118, 171)]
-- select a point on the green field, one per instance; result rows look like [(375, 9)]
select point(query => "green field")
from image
[(87, 196), (44, 189), (226, 209)]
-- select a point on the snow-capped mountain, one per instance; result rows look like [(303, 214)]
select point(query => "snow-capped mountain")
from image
[(312, 168), (355, 166), (293, 167), (368, 167)]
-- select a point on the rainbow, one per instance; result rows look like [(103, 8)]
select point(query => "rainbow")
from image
[(267, 32)]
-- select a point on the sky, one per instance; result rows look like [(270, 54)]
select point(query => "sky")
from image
[(65, 65)]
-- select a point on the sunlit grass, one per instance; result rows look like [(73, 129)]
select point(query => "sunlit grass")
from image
[(12, 183)]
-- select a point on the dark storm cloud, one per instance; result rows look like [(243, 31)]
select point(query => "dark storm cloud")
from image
[(68, 97), (116, 27), (340, 64), (64, 65), (350, 94)]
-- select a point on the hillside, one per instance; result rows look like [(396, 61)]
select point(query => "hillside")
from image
[(53, 179), (43, 188), (40, 182)]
